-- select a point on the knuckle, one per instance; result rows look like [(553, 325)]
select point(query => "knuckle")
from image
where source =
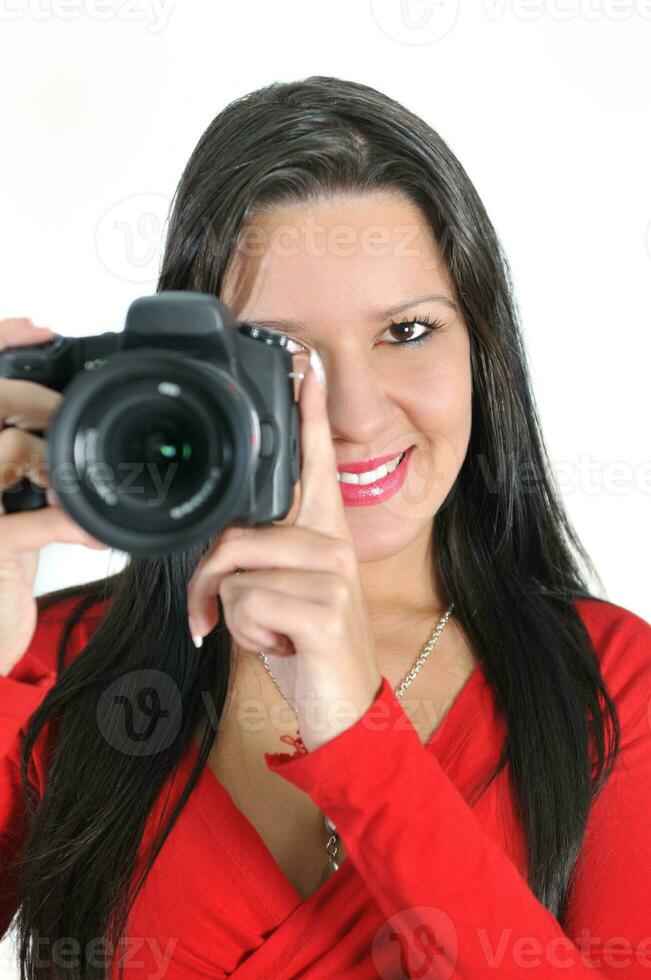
[(21, 451), (329, 626), (232, 532), (7, 389), (342, 556), (27, 400), (250, 600), (12, 442), (220, 552), (13, 331), (11, 322), (337, 591)]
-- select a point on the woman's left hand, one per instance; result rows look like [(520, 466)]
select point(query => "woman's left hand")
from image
[(301, 582)]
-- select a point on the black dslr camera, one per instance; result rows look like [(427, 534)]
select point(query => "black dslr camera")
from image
[(170, 431)]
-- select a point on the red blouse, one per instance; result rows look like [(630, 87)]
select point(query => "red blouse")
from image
[(433, 885)]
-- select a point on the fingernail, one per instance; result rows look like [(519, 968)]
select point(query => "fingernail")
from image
[(317, 366), (197, 639)]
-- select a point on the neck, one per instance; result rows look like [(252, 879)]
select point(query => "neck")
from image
[(404, 601), (403, 593)]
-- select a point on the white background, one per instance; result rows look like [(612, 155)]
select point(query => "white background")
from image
[(545, 103)]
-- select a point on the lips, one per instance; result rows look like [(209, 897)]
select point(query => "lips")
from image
[(362, 495), (371, 476), (368, 464)]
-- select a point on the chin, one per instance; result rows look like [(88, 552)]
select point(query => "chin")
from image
[(382, 542)]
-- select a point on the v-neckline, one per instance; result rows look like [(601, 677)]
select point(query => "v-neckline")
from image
[(445, 737)]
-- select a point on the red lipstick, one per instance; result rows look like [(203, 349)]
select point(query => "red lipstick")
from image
[(367, 464), (357, 495)]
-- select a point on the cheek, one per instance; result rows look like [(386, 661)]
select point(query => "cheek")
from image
[(440, 404), (440, 412)]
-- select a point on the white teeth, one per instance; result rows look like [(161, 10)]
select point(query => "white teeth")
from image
[(362, 479)]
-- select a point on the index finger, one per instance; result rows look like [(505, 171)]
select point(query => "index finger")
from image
[(321, 507), (27, 404), (19, 331)]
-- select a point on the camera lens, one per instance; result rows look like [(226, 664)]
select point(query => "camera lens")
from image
[(159, 456), (153, 452), (164, 449)]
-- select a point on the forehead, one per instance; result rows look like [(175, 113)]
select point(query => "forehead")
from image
[(352, 252)]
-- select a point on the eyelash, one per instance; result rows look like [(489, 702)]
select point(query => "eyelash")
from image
[(424, 321)]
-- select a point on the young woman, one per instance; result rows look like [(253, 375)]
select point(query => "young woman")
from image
[(446, 771)]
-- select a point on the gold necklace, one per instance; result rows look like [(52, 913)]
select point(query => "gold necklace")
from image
[(332, 844)]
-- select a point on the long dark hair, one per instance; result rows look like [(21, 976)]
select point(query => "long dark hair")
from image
[(507, 556)]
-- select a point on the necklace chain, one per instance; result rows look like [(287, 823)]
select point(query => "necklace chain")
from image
[(333, 838)]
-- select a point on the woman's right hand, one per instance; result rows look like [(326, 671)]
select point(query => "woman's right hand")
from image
[(25, 405)]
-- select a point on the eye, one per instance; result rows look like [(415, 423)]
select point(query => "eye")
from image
[(423, 321), (297, 348)]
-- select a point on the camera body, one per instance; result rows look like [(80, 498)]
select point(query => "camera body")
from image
[(180, 425)]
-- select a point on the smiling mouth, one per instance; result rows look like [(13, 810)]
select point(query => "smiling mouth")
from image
[(372, 476)]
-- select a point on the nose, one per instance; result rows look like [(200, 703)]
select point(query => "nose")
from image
[(360, 409)]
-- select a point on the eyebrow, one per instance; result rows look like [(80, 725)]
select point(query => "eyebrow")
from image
[(374, 315)]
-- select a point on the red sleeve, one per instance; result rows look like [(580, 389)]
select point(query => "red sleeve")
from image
[(441, 879), (21, 692)]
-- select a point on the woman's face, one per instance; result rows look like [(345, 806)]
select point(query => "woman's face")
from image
[(326, 274)]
